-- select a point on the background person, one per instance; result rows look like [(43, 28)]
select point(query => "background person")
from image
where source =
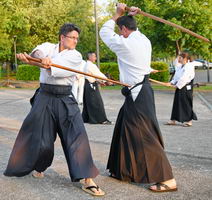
[(93, 106), (182, 110)]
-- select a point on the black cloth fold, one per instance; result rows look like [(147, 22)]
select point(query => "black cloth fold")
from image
[(54, 111), (93, 106), (182, 110), (137, 149)]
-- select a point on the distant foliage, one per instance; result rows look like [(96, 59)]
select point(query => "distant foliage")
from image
[(28, 73), (110, 69), (166, 40), (1, 71), (112, 72), (160, 76)]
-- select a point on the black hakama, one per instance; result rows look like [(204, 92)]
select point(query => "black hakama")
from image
[(182, 110), (137, 151), (53, 111), (93, 107)]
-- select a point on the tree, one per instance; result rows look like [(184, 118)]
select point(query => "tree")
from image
[(38, 21), (191, 14)]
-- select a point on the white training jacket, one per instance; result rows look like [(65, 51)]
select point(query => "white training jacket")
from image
[(133, 52), (68, 58), (184, 75)]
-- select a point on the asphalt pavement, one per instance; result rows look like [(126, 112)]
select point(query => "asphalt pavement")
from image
[(189, 150)]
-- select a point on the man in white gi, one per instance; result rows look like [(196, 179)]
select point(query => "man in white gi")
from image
[(93, 106), (137, 150), (54, 110)]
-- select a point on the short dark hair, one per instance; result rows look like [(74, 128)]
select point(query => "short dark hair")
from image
[(127, 21), (89, 54), (186, 54), (68, 27)]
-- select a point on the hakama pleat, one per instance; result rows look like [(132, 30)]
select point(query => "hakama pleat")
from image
[(93, 107), (53, 111), (137, 151), (182, 110)]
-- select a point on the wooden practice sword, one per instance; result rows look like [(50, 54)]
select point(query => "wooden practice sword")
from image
[(171, 24), (79, 72)]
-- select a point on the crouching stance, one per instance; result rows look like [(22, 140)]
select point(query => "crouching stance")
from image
[(54, 110)]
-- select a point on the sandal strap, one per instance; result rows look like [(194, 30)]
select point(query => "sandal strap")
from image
[(159, 185), (93, 187)]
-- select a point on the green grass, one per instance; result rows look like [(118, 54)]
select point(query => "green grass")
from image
[(204, 88), (159, 87)]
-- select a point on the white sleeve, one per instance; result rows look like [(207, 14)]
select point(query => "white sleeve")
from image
[(93, 69), (71, 60), (187, 76), (45, 48), (174, 81), (110, 38)]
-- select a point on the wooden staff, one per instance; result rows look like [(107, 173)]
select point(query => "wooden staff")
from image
[(171, 24), (91, 75), (79, 72), (158, 82)]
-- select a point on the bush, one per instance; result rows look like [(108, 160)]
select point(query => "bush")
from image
[(160, 76), (1, 72), (28, 73), (110, 69)]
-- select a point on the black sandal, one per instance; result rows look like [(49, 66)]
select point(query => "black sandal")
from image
[(158, 188)]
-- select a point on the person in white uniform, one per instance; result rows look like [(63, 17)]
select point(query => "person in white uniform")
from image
[(54, 110), (137, 151), (93, 106), (78, 84), (182, 110)]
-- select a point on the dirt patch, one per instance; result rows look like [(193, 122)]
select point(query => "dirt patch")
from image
[(19, 84)]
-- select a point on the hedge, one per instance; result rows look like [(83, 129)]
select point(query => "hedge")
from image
[(28, 73), (111, 70), (1, 72), (160, 76)]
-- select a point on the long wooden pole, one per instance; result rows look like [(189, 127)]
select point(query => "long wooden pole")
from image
[(171, 24), (79, 72), (91, 75), (158, 82)]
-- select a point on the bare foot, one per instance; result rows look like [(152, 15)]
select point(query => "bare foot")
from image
[(36, 174), (91, 188), (187, 124), (171, 122)]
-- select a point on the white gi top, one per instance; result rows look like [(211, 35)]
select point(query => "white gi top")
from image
[(133, 52), (184, 75), (67, 58), (82, 69), (91, 68)]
